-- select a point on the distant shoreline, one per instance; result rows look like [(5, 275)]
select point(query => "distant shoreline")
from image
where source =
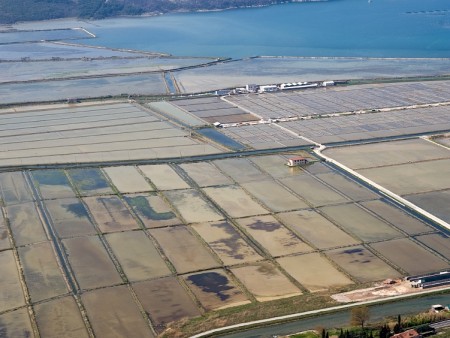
[(154, 14)]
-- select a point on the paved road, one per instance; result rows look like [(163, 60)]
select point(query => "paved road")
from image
[(441, 325), (341, 318)]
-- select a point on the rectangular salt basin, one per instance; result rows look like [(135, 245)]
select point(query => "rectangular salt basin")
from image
[(360, 222), (314, 272), (362, 264), (25, 224), (137, 255), (183, 249), (205, 174), (439, 242), (350, 188), (274, 196), (215, 290), (173, 111), (411, 178), (105, 306), (164, 177), (397, 217), (152, 210), (14, 189), (110, 213), (226, 242), (16, 324), (127, 179), (60, 318), (265, 281), (275, 165), (273, 236), (192, 206), (69, 217), (42, 273), (316, 229), (92, 266), (234, 201), (52, 183), (166, 301), (11, 295), (90, 181), (241, 170), (312, 190), (5, 243), (409, 256), (387, 153)]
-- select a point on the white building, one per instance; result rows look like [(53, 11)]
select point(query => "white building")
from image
[(297, 160)]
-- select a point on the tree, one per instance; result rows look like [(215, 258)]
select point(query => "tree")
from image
[(398, 325), (360, 315), (385, 331)]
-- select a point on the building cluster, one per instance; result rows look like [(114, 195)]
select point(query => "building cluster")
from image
[(430, 280), (270, 88)]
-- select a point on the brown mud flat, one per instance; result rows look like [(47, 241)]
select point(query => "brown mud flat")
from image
[(11, 294), (274, 196), (410, 256), (273, 236), (16, 324), (234, 201), (313, 191), (25, 224), (226, 242), (41, 270), (163, 177), (316, 229), (110, 214), (439, 242), (241, 170), (5, 243), (349, 188), (166, 301), (205, 174), (397, 217), (265, 281), (90, 262), (70, 217), (362, 264), (60, 318), (105, 306), (183, 249), (14, 189), (137, 255), (361, 223), (192, 206), (127, 179), (314, 272)]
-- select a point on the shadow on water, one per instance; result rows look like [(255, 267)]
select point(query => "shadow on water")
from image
[(212, 282), (76, 209), (231, 243), (220, 138), (88, 179), (50, 177), (142, 205), (265, 226), (267, 269)]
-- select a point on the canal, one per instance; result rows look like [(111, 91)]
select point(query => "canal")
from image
[(342, 318)]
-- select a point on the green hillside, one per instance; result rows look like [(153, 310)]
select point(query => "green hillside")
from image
[(29, 10)]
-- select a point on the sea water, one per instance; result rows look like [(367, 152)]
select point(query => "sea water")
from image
[(367, 28)]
